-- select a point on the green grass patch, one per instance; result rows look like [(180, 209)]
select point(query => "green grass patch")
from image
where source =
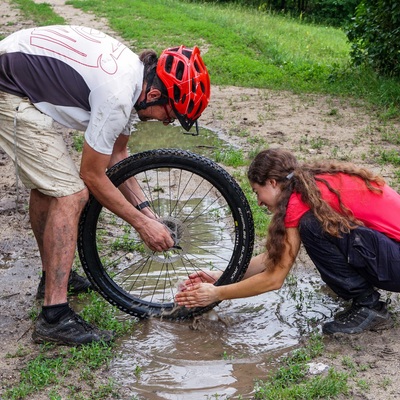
[(390, 157), (78, 139), (260, 214), (40, 13), (291, 380), (230, 157)]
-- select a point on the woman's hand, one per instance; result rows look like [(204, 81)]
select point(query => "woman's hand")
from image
[(197, 295), (202, 276)]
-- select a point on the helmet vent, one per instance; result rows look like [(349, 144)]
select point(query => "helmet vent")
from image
[(193, 86), (177, 93), (187, 53), (180, 70), (203, 88), (168, 64), (191, 106), (196, 66)]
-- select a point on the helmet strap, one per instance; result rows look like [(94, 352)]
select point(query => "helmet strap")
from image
[(149, 82), (144, 104), (194, 133)]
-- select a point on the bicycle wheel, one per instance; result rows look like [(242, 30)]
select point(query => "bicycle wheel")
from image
[(195, 198)]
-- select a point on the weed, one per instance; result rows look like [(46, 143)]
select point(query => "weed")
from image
[(363, 385), (226, 356), (386, 382), (391, 135), (318, 142), (333, 112), (77, 141), (390, 156), (138, 371), (230, 157), (291, 381)]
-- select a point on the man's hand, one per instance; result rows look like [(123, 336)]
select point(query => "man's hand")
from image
[(197, 295), (156, 235)]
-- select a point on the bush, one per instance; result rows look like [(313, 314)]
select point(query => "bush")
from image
[(375, 36)]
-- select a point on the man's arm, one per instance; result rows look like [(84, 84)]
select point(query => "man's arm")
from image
[(93, 173), (130, 188)]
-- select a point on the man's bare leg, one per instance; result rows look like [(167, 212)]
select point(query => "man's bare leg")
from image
[(54, 222)]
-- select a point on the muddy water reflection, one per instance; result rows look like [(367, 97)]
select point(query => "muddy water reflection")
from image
[(221, 354), (154, 135)]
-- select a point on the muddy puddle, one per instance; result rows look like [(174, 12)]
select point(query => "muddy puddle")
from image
[(221, 354), (154, 135)]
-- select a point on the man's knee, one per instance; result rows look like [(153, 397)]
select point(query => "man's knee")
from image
[(83, 197)]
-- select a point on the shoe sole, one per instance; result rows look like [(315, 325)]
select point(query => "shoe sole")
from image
[(379, 326), (43, 339)]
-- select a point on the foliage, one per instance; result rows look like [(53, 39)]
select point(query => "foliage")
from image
[(375, 36), (78, 140), (333, 12)]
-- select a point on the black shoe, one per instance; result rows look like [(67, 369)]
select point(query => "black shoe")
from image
[(359, 318), (76, 284), (70, 330)]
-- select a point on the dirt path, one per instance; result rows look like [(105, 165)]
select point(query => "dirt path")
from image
[(249, 118)]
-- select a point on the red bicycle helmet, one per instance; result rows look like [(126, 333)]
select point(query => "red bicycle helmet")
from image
[(185, 76)]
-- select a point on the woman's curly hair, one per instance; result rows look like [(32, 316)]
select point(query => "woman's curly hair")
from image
[(282, 165)]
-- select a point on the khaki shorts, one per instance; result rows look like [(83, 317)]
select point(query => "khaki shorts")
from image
[(39, 152)]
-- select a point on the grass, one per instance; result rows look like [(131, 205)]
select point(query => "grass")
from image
[(78, 140), (260, 215), (230, 157), (250, 48), (291, 380), (41, 14), (243, 47)]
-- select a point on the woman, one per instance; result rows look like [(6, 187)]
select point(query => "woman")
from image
[(348, 220)]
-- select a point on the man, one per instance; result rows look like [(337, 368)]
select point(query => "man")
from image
[(85, 80)]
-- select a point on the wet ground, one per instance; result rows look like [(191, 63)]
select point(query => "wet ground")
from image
[(223, 353)]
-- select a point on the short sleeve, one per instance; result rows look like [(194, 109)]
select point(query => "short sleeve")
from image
[(295, 210)]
